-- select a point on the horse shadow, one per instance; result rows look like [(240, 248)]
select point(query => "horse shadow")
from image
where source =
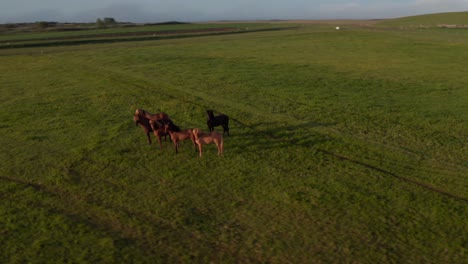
[(277, 135)]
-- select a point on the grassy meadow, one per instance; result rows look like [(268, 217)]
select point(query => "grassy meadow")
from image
[(346, 146)]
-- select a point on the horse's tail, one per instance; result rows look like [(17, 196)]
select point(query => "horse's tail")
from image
[(227, 124)]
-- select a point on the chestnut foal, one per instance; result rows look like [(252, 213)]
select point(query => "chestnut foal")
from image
[(177, 136), (158, 130), (203, 138)]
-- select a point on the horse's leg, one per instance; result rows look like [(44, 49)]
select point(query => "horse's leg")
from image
[(175, 144), (200, 149), (218, 147), (222, 146), (195, 145), (149, 138), (159, 140), (192, 138)]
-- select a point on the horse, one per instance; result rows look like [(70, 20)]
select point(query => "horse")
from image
[(219, 120), (179, 135), (158, 130), (203, 138), (162, 117), (144, 123)]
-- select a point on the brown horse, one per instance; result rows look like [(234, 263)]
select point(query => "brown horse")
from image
[(144, 123), (181, 135), (158, 130), (162, 117), (203, 138)]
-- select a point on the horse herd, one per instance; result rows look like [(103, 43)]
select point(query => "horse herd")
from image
[(161, 125)]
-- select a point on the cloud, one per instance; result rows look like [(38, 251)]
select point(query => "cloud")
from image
[(360, 10), (121, 12), (436, 6), (389, 9), (42, 15)]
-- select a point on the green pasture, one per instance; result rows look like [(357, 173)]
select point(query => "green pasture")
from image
[(346, 146)]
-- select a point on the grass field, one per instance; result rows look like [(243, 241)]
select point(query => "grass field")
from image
[(346, 146)]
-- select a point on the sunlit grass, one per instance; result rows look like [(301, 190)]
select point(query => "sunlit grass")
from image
[(346, 146)]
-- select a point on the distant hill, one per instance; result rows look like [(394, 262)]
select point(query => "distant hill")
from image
[(429, 20)]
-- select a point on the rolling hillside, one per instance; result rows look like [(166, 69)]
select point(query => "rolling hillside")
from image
[(428, 20)]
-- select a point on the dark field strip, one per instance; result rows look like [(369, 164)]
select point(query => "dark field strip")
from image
[(115, 38), (124, 34)]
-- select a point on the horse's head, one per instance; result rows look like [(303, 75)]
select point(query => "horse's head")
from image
[(195, 132), (136, 118), (210, 114), (153, 124), (140, 112), (167, 129)]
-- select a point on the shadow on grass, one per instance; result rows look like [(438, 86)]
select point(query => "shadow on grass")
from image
[(277, 135)]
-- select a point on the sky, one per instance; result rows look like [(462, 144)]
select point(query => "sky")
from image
[(144, 11)]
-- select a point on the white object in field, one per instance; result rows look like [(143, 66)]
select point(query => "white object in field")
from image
[(337, 28)]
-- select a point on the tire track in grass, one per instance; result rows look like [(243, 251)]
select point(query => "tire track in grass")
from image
[(369, 166), (343, 158), (74, 198), (85, 208), (88, 209), (80, 209), (206, 97), (399, 177)]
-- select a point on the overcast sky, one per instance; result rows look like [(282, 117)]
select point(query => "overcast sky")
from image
[(12, 11)]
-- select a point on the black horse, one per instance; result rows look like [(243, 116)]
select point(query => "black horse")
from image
[(219, 120)]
